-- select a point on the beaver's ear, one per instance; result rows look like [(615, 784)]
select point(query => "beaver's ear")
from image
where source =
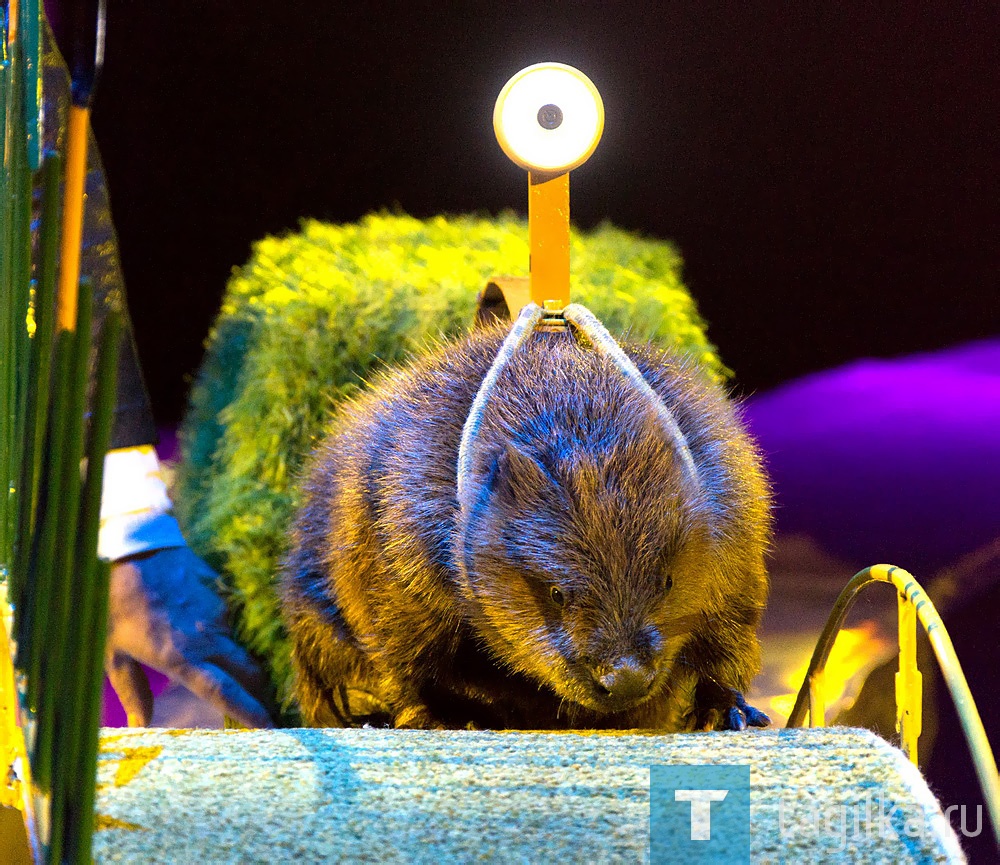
[(519, 475)]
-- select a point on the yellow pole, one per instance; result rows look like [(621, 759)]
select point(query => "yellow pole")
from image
[(817, 699), (909, 690), (15, 789), (72, 223), (12, 17), (548, 232)]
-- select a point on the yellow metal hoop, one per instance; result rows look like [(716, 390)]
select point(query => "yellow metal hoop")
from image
[(913, 604)]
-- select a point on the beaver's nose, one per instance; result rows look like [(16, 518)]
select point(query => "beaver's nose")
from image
[(628, 679)]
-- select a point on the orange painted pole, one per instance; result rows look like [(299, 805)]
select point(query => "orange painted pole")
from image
[(548, 232), (72, 223), (12, 20)]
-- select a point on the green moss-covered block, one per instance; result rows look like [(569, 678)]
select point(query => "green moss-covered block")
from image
[(312, 315)]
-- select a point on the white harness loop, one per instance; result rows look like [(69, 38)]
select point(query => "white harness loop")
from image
[(586, 322)]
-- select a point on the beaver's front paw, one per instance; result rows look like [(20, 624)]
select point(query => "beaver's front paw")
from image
[(416, 718), (721, 708), (743, 715)]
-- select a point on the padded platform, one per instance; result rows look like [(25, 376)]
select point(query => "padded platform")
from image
[(383, 795)]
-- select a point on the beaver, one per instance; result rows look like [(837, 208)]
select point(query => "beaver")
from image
[(589, 585)]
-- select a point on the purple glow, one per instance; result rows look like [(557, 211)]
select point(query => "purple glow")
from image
[(889, 460), (112, 711)]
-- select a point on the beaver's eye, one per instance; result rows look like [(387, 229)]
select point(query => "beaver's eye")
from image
[(668, 582), (549, 118), (555, 593)]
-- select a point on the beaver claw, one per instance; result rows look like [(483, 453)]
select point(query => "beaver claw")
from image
[(742, 715), (416, 718), (722, 708)]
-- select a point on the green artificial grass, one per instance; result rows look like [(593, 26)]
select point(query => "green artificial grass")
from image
[(314, 314)]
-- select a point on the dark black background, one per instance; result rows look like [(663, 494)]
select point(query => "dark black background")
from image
[(830, 174)]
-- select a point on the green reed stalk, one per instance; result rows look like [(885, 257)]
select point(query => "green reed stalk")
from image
[(84, 830), (78, 761), (55, 681), (60, 664), (30, 39), (40, 573), (49, 516), (21, 192), (7, 371), (39, 369)]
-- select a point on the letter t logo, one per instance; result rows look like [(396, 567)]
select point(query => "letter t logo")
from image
[(701, 810)]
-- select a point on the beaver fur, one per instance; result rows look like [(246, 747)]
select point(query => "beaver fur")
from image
[(590, 584)]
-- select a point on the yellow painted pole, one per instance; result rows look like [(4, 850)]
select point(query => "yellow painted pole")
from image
[(15, 789), (72, 222), (909, 684), (817, 699), (548, 233), (12, 19)]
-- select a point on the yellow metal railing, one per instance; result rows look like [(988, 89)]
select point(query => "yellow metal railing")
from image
[(15, 788), (913, 604)]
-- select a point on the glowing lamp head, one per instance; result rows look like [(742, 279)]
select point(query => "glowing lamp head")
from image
[(549, 118)]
